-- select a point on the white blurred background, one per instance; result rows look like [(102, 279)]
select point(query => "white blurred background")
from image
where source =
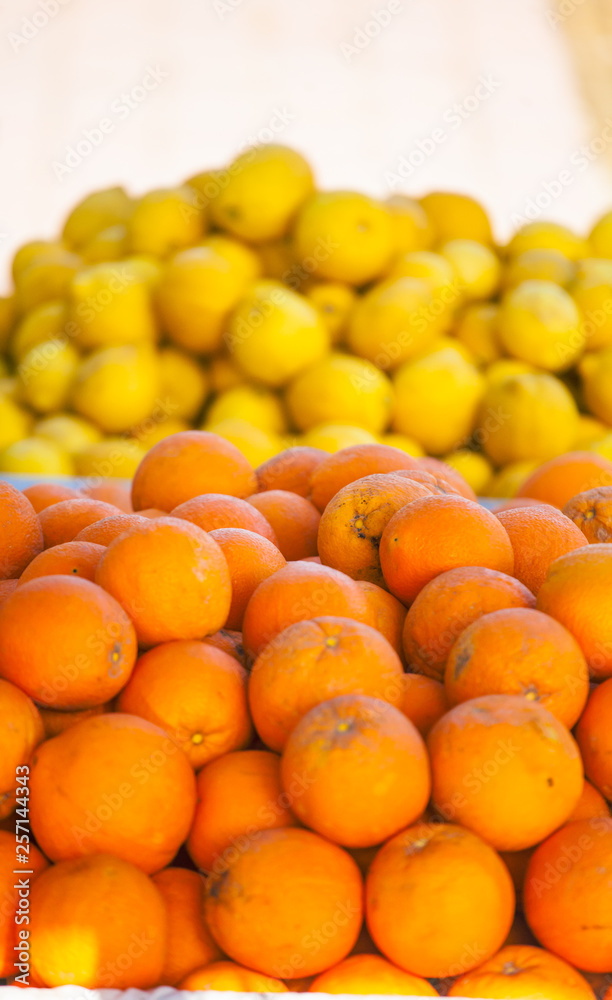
[(356, 85)]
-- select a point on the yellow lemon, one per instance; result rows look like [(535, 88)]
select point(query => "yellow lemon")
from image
[(341, 389), (596, 373), (164, 221), (114, 457), (46, 375), (543, 264), (409, 445), (439, 274), (457, 216), (260, 192), (110, 304), (45, 322), (590, 430), (508, 480), (444, 341), (412, 228), (117, 387), (108, 244), (47, 276), (600, 238), (244, 260), (476, 329), (206, 186), (15, 422), (224, 373), (94, 213), (28, 251), (251, 403), (335, 302), (256, 445), (473, 466), (539, 323), (154, 429), (70, 432), (275, 333), (335, 437), (7, 318), (184, 383), (36, 455), (394, 321), (548, 236), (602, 447), (476, 265), (592, 293), (344, 236), (529, 417), (504, 368), (437, 396)]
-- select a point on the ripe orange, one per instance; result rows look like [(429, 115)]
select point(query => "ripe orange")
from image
[(313, 661), (239, 795), (439, 900), (594, 735), (352, 463), (291, 470), (424, 701), (21, 730), (539, 535), (568, 902), (110, 492), (215, 510), (196, 693), (438, 533), (561, 478), (372, 975), (105, 531), (386, 613), (363, 769), (112, 783), (294, 520), (251, 559), (522, 652), (70, 559), (505, 768), (42, 495), (523, 971), (259, 923), (590, 804), (20, 533), (9, 897), (188, 464), (62, 522), (171, 577), (82, 649), (591, 511), (189, 943), (223, 976)]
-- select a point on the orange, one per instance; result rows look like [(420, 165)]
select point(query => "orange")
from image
[(103, 532), (594, 735), (576, 592), (70, 559), (42, 495), (55, 720), (294, 520), (239, 795), (113, 493), (522, 652), (445, 472), (355, 518), (189, 944), (591, 803), (352, 463), (196, 693), (591, 511), (299, 591), (229, 641), (260, 922), (215, 510), (561, 478), (9, 897), (82, 647), (97, 922), (505, 768), (187, 464), (291, 470), (6, 589), (363, 767), (437, 483), (21, 729), (439, 900), (424, 701), (372, 975), (386, 613), (568, 903), (251, 559), (447, 605), (62, 522), (539, 535), (171, 577), (313, 661), (223, 976), (523, 971), (20, 533), (437, 533), (112, 783)]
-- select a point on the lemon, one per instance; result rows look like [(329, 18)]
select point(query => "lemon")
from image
[(7, 318), (476, 329), (110, 304), (447, 341), (548, 236), (260, 192), (526, 418), (46, 375), (476, 265), (473, 466), (150, 431), (94, 213), (335, 302), (544, 264), (596, 373), (45, 322), (252, 404), (457, 216), (256, 445), (275, 333), (439, 274), (224, 373), (184, 383), (592, 292), (244, 260), (600, 238), (539, 322), (145, 268), (164, 221), (111, 457), (46, 277), (344, 236), (409, 445), (341, 389), (334, 437), (15, 422), (437, 396), (36, 455), (195, 295), (394, 321), (602, 447), (28, 251), (117, 387), (206, 186), (411, 226), (505, 368), (590, 430), (108, 244), (508, 480), (70, 432)]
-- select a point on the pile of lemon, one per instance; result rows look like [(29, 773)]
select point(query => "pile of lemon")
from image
[(247, 302)]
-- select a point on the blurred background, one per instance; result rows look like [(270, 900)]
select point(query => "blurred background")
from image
[(494, 99)]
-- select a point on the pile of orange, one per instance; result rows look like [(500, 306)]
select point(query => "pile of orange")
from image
[(326, 725)]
